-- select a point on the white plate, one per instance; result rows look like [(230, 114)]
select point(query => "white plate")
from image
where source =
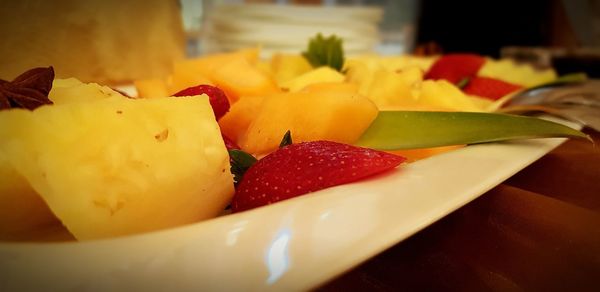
[(293, 245)]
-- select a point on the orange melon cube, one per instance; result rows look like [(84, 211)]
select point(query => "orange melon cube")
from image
[(309, 116), (418, 154), (205, 65), (151, 88), (183, 80), (238, 77), (241, 114)]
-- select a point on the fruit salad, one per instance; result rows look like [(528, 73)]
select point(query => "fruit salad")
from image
[(95, 163)]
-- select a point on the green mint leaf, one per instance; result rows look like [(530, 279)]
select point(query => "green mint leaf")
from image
[(287, 139), (240, 162), (323, 51)]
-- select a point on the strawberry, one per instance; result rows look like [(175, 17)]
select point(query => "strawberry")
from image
[(489, 87), (298, 169), (455, 67), (218, 99)]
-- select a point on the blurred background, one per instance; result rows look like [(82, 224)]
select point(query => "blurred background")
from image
[(559, 32), (119, 41)]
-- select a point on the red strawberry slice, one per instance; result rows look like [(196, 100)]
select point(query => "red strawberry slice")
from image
[(490, 88), (218, 99), (306, 167), (455, 67)]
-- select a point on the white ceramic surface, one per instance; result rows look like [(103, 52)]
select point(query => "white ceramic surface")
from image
[(293, 245), (285, 28)]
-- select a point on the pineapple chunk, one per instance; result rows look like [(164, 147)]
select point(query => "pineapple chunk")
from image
[(22, 211), (72, 90), (340, 88), (522, 74), (318, 75), (119, 166), (286, 67), (441, 93), (394, 89)]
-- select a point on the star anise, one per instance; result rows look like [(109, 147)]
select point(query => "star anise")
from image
[(29, 90)]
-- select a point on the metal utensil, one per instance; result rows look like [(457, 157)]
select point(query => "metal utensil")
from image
[(579, 103)]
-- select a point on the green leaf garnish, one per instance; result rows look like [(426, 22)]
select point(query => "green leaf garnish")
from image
[(323, 51), (240, 162), (286, 140), (394, 130), (463, 82)]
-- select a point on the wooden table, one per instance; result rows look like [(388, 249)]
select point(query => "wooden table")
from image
[(538, 231)]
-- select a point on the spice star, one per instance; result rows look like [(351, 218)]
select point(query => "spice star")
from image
[(29, 90)]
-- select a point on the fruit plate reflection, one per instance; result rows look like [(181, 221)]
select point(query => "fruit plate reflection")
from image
[(297, 244)]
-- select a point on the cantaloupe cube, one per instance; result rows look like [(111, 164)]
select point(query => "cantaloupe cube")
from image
[(422, 153), (119, 166), (179, 82), (238, 77), (309, 116), (151, 88), (318, 75), (241, 114), (205, 65)]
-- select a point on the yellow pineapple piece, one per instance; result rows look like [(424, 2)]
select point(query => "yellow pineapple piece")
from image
[(441, 93), (390, 89), (362, 72), (522, 74), (318, 75), (22, 210), (286, 67), (265, 67), (332, 88), (390, 63), (482, 103), (72, 90), (119, 166)]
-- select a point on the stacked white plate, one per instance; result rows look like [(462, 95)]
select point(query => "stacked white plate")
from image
[(286, 28)]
